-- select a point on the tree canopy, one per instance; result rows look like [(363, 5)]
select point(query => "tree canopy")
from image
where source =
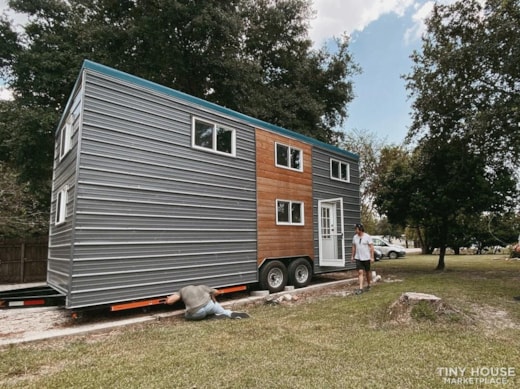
[(253, 56)]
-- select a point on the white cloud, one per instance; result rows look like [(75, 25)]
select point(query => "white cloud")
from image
[(419, 27), (422, 12), (5, 94), (334, 17)]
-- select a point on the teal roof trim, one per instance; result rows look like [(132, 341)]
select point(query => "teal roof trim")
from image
[(87, 64)]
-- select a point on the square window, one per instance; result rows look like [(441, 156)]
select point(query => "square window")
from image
[(339, 171), (209, 136), (289, 212), (288, 157)]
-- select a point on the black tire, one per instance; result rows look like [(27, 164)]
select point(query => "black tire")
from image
[(392, 255), (300, 273), (273, 276)]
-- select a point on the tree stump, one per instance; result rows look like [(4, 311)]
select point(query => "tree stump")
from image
[(413, 305)]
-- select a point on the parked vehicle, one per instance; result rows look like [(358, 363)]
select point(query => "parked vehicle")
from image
[(388, 249), (377, 254)]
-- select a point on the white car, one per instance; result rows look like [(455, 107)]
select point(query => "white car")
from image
[(388, 249)]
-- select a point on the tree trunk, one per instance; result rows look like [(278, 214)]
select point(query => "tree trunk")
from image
[(440, 264), (422, 242)]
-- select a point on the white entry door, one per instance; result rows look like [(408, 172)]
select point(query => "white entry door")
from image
[(331, 232)]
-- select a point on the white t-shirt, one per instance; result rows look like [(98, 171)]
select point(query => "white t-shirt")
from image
[(362, 244)]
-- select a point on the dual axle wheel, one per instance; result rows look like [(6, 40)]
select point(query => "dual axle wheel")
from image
[(274, 275)]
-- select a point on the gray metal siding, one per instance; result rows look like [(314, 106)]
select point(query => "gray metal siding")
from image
[(324, 187), (147, 212), (154, 214), (59, 264)]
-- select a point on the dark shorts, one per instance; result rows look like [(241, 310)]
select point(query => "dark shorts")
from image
[(362, 265)]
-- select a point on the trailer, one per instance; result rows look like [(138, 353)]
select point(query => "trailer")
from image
[(154, 189)]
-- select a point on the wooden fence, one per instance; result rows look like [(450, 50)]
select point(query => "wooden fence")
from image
[(23, 260)]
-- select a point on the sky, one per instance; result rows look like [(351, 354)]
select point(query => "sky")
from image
[(383, 34)]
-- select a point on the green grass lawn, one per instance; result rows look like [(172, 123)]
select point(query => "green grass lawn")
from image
[(331, 341)]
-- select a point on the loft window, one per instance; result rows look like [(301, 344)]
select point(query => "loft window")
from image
[(288, 157), (66, 136), (339, 170), (212, 137), (289, 212), (61, 205)]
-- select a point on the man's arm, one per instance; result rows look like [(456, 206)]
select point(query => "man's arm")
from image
[(170, 300), (353, 251), (371, 246)]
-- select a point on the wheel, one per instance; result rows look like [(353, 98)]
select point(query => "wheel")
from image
[(392, 255), (273, 276), (300, 273)]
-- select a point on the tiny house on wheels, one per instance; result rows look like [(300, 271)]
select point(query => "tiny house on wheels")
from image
[(154, 190)]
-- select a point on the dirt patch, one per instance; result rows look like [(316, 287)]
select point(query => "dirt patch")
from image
[(492, 319), (16, 323)]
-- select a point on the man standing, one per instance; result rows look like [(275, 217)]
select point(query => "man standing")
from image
[(200, 302), (363, 254)]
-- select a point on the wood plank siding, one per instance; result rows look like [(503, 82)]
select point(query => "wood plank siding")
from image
[(278, 183)]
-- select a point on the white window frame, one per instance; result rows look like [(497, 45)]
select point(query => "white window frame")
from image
[(289, 150), (61, 205), (290, 222), (215, 127), (66, 136), (340, 163)]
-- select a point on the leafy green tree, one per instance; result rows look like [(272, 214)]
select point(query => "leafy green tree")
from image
[(19, 210), (367, 146), (465, 80), (253, 56), (465, 117), (436, 188)]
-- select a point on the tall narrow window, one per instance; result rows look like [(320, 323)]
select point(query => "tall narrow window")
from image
[(288, 157), (66, 136), (212, 137), (339, 170), (61, 205), (325, 222), (289, 212)]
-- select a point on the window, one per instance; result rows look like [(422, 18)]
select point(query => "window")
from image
[(339, 170), (325, 223), (289, 212), (61, 205), (288, 157), (66, 137), (212, 137)]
